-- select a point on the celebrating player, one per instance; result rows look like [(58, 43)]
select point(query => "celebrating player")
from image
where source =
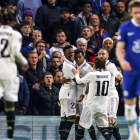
[(10, 45), (83, 67), (67, 94), (129, 37), (97, 99), (113, 98)]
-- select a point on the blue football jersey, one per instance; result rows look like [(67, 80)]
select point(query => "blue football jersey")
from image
[(129, 32)]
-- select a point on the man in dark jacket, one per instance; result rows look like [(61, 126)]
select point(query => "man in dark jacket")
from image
[(55, 64), (46, 97), (108, 19), (68, 24), (23, 97), (26, 34), (28, 17), (57, 78), (121, 13), (46, 15)]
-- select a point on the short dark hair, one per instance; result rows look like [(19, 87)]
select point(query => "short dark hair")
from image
[(67, 47), (104, 49), (40, 41), (99, 63), (86, 27), (87, 2), (55, 57), (24, 23), (47, 73), (58, 71), (60, 31), (77, 51)]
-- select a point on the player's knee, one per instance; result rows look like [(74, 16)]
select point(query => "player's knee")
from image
[(130, 112)]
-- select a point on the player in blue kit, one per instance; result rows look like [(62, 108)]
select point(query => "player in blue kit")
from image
[(129, 38)]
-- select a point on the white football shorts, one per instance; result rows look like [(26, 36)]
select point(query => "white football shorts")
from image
[(68, 107), (9, 89), (87, 117)]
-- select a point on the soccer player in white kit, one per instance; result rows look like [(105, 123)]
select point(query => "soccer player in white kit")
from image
[(113, 99), (67, 94), (97, 99), (10, 45), (83, 67)]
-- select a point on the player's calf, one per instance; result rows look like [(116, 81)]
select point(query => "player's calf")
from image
[(65, 133), (62, 124), (91, 132), (105, 133), (116, 132), (80, 133), (10, 112)]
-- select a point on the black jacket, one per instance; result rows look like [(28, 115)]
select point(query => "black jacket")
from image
[(26, 40), (69, 29), (45, 16), (34, 76), (52, 70), (47, 102), (111, 25)]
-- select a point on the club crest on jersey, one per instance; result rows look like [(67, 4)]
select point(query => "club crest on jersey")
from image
[(136, 46)]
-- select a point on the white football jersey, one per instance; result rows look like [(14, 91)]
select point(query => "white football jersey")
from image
[(10, 45), (97, 98), (83, 69), (68, 91), (114, 73)]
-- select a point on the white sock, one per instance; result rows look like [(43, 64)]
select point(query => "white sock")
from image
[(131, 117)]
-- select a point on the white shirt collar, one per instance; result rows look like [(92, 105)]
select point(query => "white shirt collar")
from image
[(69, 62), (107, 62), (134, 23), (84, 63), (105, 18)]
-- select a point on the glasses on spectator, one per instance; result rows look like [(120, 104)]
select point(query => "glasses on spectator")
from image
[(41, 46)]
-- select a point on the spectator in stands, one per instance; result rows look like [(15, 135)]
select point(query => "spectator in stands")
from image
[(68, 24), (28, 17), (57, 79), (96, 5), (121, 13), (99, 33), (108, 44), (55, 64), (22, 5), (46, 97), (58, 54), (92, 45), (74, 6), (12, 7), (61, 43), (23, 97), (114, 38), (82, 44), (108, 19), (33, 77), (46, 15), (40, 48), (26, 34), (37, 35), (85, 15)]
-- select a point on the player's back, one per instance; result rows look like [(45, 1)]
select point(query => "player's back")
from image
[(9, 39), (98, 90)]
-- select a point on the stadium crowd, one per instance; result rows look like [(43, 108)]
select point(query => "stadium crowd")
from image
[(47, 26)]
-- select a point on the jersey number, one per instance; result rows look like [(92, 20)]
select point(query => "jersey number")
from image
[(5, 43), (103, 92)]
